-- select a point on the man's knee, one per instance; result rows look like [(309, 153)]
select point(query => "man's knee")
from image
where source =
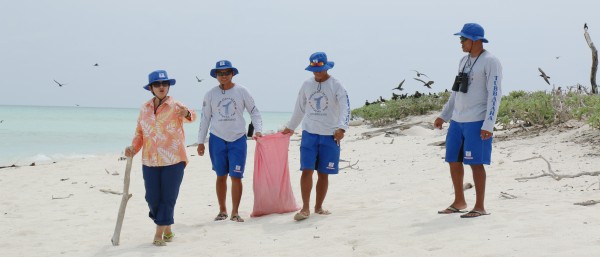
[(323, 176), (477, 167)]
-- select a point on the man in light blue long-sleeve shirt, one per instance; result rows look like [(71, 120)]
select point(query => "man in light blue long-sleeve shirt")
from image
[(222, 112), (324, 110), (471, 110)]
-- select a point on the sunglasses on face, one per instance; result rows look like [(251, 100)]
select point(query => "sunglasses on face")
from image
[(463, 39), (160, 83), (223, 73), (317, 64)]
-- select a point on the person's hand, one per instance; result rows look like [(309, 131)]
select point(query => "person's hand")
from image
[(129, 151), (200, 149), (183, 111), (257, 135), (338, 135), (485, 135), (287, 131), (438, 123)]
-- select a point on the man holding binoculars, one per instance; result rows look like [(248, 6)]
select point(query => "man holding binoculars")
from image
[(472, 111)]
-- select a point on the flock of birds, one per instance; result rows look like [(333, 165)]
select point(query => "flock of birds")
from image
[(420, 77), (428, 84)]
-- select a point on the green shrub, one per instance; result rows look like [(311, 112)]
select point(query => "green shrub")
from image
[(518, 107)]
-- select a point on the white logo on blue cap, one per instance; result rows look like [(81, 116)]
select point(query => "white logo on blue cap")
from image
[(161, 75), (222, 63)]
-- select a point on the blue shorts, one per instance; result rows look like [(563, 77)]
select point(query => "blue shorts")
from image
[(319, 153), (228, 157), (464, 144)]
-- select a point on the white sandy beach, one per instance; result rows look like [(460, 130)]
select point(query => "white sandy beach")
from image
[(385, 206)]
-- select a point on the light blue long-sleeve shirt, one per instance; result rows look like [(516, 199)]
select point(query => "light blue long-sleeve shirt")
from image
[(482, 100), (222, 111), (322, 107)]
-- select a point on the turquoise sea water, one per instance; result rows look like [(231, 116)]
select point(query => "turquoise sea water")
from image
[(44, 134)]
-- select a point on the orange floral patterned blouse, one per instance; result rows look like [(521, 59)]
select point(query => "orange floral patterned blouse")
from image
[(161, 135)]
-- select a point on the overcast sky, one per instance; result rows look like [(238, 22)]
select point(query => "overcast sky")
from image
[(375, 45)]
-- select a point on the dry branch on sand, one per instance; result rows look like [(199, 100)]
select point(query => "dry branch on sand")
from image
[(61, 197), (552, 174), (351, 166), (109, 191)]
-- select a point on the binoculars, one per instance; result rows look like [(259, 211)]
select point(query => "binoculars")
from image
[(461, 82)]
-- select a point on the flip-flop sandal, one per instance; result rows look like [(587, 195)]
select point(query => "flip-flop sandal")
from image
[(169, 237), (301, 216), (237, 218), (450, 210), (159, 243), (477, 214), (221, 216), (323, 212)]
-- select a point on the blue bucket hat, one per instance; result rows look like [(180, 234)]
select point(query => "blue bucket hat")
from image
[(318, 62), (221, 65), (158, 75), (472, 31)]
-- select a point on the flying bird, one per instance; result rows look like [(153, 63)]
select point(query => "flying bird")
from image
[(1, 121), (399, 87), (427, 84), (420, 74), (96, 65), (199, 80), (557, 57), (585, 26), (544, 76), (59, 84)]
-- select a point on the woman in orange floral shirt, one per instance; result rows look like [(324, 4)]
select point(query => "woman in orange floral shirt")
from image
[(160, 136)]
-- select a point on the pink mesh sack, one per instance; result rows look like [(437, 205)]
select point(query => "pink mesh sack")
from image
[(272, 188)]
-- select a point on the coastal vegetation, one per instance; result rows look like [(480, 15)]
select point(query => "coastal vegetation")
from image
[(518, 108)]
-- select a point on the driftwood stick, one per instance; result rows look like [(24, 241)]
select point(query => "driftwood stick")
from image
[(61, 197), (552, 174), (588, 39), (507, 195), (108, 191), (121, 215), (588, 203), (591, 185), (351, 166)]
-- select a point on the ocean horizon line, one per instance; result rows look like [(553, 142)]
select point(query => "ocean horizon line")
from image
[(103, 107)]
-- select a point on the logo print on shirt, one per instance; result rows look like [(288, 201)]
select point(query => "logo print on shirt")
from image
[(225, 108), (318, 101)]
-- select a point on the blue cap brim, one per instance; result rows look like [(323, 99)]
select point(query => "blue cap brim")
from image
[(471, 37)]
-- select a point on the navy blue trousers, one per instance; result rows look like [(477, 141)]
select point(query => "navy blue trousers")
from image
[(162, 188)]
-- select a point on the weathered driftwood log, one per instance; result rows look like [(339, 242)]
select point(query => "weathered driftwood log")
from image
[(116, 236), (594, 60)]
